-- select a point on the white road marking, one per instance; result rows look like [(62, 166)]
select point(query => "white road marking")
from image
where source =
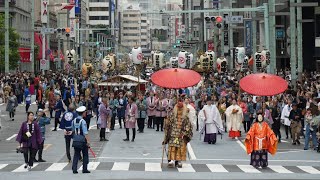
[(3, 166), (22, 169), (91, 127), (11, 137), (155, 167), (216, 168), (57, 167), (280, 169), (248, 169), (191, 152), (309, 169), (91, 166), (241, 145), (120, 166), (186, 168)]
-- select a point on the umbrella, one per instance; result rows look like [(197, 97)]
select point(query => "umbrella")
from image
[(175, 78), (263, 84)]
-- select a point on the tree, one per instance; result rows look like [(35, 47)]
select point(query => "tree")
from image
[(14, 56)]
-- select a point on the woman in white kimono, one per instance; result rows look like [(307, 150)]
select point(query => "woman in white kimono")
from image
[(210, 122)]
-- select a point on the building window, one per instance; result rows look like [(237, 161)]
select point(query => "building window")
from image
[(133, 15), (131, 22), (143, 21), (130, 28), (99, 9), (98, 17)]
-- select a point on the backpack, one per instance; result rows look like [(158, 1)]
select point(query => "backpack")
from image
[(79, 141)]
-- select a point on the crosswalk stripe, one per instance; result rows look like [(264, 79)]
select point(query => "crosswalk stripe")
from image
[(153, 167), (91, 166), (186, 168), (3, 166), (280, 169), (120, 166), (57, 167), (248, 169), (216, 168), (22, 169), (309, 169)]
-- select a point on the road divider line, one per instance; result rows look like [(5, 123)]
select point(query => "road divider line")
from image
[(91, 166), (154, 167), (3, 166), (11, 137), (121, 166), (56, 167), (241, 145), (280, 169), (191, 152), (216, 168), (309, 169), (186, 168), (248, 169)]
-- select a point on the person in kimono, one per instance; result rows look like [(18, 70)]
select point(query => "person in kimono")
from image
[(12, 105), (113, 103), (29, 138), (121, 109), (151, 111), (131, 118), (58, 108), (211, 122), (142, 112), (234, 119), (161, 113), (285, 118), (104, 113), (259, 141), (178, 133)]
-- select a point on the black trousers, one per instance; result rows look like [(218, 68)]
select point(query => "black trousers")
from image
[(102, 133), (133, 133), (120, 122), (113, 121), (88, 119), (246, 125), (40, 150), (68, 142), (27, 107), (141, 124), (29, 155), (160, 121), (11, 114), (288, 129), (51, 112), (77, 156), (151, 122), (277, 132), (56, 122)]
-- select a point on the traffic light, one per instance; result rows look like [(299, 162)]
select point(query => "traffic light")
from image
[(217, 20), (66, 31)]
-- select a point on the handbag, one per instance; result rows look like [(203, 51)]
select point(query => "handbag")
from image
[(79, 141), (99, 120)]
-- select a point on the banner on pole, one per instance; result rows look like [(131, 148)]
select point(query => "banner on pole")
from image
[(44, 11), (248, 36)]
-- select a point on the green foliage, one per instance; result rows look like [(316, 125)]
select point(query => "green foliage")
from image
[(14, 56)]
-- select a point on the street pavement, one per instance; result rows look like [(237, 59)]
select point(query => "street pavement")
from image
[(116, 159)]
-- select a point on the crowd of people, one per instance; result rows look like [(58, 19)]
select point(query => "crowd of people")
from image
[(216, 105)]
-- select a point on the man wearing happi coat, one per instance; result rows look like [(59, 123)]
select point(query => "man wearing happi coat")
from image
[(178, 132), (259, 141)]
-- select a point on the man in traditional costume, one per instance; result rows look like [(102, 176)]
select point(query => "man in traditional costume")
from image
[(259, 141), (211, 122), (234, 119), (178, 132)]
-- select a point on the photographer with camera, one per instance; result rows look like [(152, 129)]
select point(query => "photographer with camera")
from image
[(29, 138), (42, 120)]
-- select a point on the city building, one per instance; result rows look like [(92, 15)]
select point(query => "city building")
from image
[(134, 28)]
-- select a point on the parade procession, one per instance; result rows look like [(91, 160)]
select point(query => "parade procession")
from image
[(167, 89)]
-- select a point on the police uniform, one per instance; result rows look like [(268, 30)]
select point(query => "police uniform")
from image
[(79, 125), (66, 124)]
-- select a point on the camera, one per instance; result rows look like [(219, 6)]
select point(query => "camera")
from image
[(19, 150)]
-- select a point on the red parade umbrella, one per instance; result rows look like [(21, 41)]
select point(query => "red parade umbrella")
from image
[(263, 84), (175, 78)]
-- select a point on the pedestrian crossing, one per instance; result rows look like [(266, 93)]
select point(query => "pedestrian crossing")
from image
[(156, 167)]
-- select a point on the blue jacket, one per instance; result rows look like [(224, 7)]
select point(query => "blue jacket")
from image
[(122, 111), (43, 121), (66, 120), (59, 108)]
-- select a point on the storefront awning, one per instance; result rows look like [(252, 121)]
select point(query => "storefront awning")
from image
[(24, 54)]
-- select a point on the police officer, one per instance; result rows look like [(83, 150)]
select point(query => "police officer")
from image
[(80, 125), (66, 125)]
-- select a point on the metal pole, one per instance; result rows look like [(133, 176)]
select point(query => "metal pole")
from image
[(266, 25), (230, 37), (299, 46), (222, 31), (48, 39), (272, 37), (254, 35), (293, 57), (6, 39), (81, 50), (32, 37)]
